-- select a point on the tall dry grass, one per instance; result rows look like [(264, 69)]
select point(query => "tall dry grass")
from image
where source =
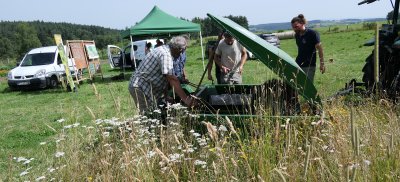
[(348, 143)]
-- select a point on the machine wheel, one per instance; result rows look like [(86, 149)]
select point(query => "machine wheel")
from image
[(368, 69)]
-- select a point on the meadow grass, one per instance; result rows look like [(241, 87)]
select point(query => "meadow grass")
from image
[(96, 134)]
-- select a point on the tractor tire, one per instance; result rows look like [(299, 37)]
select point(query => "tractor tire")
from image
[(395, 87), (368, 69)]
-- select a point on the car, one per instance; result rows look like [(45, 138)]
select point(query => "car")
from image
[(40, 68), (271, 38), (120, 58)]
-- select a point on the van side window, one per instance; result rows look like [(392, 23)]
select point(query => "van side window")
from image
[(59, 59)]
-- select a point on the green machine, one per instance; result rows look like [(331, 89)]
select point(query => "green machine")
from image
[(253, 100)]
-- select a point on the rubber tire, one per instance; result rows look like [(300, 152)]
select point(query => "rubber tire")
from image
[(368, 69), (53, 82)]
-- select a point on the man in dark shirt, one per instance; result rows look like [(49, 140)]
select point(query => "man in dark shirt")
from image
[(308, 42)]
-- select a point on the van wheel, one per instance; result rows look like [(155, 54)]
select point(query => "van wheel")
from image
[(53, 83)]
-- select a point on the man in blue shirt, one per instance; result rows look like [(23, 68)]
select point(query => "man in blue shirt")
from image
[(308, 42), (179, 67)]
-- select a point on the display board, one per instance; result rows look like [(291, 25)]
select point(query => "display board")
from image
[(85, 54), (78, 53)]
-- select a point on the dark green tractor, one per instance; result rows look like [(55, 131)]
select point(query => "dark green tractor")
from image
[(388, 78)]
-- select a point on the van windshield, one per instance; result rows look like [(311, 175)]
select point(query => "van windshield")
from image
[(38, 59)]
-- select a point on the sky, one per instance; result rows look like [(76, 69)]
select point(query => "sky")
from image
[(119, 14)]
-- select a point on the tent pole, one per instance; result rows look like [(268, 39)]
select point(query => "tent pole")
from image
[(202, 50), (132, 52)]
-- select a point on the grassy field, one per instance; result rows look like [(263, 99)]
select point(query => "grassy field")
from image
[(56, 135)]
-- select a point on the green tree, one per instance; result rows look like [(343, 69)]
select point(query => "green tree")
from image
[(241, 20), (27, 38), (389, 16), (209, 28), (6, 48)]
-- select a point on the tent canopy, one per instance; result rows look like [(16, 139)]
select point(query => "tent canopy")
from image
[(158, 22)]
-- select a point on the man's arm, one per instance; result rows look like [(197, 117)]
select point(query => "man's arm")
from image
[(176, 85), (321, 57), (184, 75), (243, 60), (210, 63)]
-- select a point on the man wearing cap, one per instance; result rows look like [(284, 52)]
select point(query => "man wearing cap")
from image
[(230, 56), (149, 83)]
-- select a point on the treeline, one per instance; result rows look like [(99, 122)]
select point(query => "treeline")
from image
[(208, 27), (16, 38)]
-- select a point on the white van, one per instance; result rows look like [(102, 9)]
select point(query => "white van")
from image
[(117, 56), (40, 68)]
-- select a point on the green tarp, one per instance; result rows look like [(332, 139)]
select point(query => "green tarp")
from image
[(275, 59), (157, 22)]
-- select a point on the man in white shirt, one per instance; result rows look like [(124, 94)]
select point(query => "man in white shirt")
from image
[(149, 82), (230, 55)]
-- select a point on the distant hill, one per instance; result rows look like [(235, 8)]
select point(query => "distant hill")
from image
[(271, 27)]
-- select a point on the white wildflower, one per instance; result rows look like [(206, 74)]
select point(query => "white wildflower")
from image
[(353, 166), (59, 154), (150, 154), (174, 123), (19, 159), (164, 169), (67, 126), (28, 161), (51, 169), (199, 162), (367, 162), (202, 141), (61, 120), (189, 150), (40, 178), (196, 135), (98, 121), (24, 173), (175, 157), (106, 134), (76, 124), (222, 128), (42, 143), (194, 115)]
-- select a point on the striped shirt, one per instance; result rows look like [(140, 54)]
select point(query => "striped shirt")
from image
[(150, 75)]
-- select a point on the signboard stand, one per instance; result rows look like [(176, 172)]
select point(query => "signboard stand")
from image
[(86, 58), (64, 59)]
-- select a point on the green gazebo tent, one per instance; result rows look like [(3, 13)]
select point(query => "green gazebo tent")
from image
[(159, 23)]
